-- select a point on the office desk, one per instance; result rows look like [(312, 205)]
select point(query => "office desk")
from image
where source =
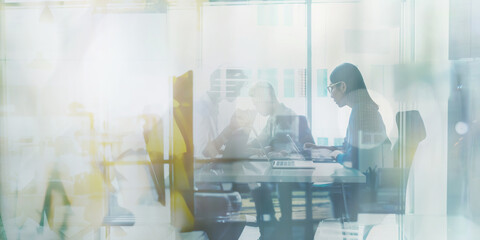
[(249, 171), (261, 171)]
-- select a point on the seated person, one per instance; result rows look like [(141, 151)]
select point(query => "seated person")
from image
[(225, 87), (366, 134), (267, 104), (290, 134), (210, 204), (234, 137)]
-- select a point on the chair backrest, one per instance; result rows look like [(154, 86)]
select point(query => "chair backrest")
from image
[(181, 186), (153, 135), (391, 182), (411, 131)]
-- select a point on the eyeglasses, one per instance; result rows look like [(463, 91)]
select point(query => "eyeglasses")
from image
[(331, 86)]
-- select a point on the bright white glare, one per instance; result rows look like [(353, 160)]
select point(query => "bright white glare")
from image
[(461, 128)]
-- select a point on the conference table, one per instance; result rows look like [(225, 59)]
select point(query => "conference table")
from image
[(261, 171)]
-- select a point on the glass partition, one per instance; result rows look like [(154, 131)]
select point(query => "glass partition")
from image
[(81, 86), (166, 119)]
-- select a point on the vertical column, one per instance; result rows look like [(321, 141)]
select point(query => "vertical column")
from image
[(2, 102), (308, 81)]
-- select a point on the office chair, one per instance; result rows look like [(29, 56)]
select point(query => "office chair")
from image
[(391, 182), (411, 131), (153, 135), (184, 197)]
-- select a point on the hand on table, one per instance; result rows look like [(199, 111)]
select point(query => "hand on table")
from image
[(310, 146), (211, 150), (259, 152), (280, 154), (334, 154)]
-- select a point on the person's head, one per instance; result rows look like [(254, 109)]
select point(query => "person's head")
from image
[(345, 79), (263, 98)]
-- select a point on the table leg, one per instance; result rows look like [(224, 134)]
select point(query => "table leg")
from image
[(309, 211), (285, 200), (347, 217)]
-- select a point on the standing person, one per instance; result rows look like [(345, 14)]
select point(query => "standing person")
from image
[(363, 147)]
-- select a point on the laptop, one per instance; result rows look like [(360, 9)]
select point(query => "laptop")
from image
[(292, 164), (295, 161), (236, 145), (292, 161)]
